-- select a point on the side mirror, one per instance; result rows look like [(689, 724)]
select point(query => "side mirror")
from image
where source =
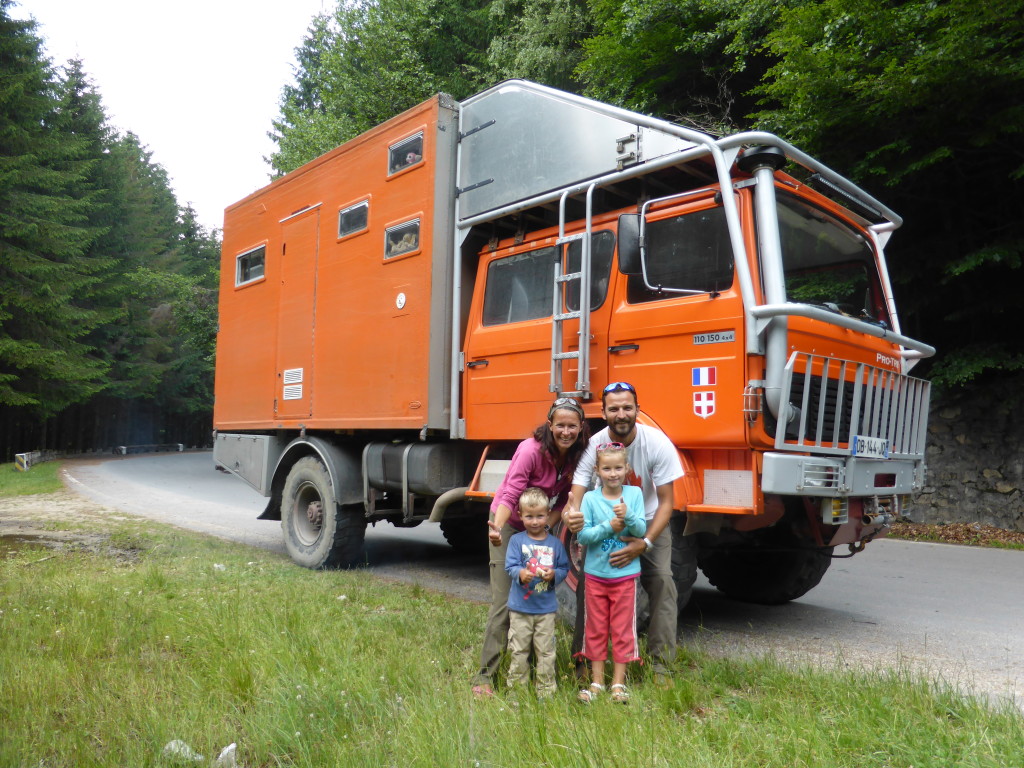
[(629, 244)]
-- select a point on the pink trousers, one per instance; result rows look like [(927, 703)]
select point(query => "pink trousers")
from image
[(611, 612)]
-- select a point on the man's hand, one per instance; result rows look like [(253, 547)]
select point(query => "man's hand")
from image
[(572, 517), (627, 554)]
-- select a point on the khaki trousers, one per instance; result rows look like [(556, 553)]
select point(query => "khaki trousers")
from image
[(536, 632), (496, 632)]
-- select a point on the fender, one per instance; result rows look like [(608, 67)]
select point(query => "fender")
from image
[(343, 464)]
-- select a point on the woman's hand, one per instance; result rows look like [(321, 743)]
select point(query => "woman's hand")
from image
[(494, 534)]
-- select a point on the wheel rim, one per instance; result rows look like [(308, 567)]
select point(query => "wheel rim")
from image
[(308, 514)]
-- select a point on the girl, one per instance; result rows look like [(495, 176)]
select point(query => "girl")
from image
[(609, 512)]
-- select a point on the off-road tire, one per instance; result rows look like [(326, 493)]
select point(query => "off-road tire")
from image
[(684, 561), (318, 533), (769, 567), (466, 534)]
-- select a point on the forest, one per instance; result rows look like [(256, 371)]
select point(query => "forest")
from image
[(108, 285)]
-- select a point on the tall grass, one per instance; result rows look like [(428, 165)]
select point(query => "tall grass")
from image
[(107, 656)]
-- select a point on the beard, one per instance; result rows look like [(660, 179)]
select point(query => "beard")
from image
[(622, 429)]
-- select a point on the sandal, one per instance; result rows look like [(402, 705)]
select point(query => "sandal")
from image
[(619, 694), (588, 695)]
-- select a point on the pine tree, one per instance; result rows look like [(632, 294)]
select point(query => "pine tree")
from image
[(46, 276)]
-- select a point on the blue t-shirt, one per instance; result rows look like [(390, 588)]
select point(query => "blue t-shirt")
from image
[(599, 538), (524, 552)]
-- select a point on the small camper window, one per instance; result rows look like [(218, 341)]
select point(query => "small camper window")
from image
[(353, 219), (520, 287), (405, 153), (402, 239), (250, 265)]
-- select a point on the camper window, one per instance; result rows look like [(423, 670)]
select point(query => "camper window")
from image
[(353, 219), (250, 265), (402, 239), (405, 153)]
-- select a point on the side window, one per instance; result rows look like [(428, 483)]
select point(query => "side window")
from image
[(602, 244), (520, 287), (402, 238), (690, 252), (353, 219), (405, 153), (250, 265)]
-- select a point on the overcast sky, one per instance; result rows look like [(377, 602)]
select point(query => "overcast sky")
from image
[(198, 81)]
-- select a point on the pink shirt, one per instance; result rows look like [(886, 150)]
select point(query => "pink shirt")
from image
[(532, 467)]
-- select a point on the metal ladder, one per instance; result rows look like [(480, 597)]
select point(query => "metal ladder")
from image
[(559, 352)]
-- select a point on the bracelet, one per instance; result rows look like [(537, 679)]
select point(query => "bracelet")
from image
[(648, 542)]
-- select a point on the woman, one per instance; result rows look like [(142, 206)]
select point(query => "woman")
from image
[(547, 461)]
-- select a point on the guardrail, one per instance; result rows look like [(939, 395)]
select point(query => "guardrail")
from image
[(124, 450), (23, 462)]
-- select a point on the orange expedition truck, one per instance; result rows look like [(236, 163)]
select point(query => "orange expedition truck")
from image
[(396, 315)]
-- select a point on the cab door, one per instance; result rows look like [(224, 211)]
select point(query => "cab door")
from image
[(508, 351), (677, 336)]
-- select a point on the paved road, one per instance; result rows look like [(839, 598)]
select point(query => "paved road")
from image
[(955, 613)]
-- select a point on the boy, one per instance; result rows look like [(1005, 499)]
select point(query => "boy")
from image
[(536, 562)]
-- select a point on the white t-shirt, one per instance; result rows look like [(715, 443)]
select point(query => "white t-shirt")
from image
[(653, 461)]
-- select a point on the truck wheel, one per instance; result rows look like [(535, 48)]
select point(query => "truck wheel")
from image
[(318, 533), (768, 567), (684, 561), (566, 590), (466, 534)]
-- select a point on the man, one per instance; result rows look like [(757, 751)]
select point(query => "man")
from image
[(654, 466)]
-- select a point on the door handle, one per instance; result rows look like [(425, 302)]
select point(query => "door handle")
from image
[(624, 348), (477, 364)]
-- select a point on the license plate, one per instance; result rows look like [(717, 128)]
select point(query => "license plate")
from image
[(870, 447)]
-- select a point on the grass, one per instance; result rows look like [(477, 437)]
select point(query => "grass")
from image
[(42, 478), (106, 659)]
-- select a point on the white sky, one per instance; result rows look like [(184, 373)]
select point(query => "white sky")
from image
[(198, 81)]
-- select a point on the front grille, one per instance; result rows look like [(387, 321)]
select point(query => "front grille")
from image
[(833, 400)]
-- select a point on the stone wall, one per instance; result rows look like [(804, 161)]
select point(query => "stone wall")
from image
[(975, 458)]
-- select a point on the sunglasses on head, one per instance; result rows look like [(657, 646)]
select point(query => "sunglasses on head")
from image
[(611, 447), (568, 403), (619, 386)]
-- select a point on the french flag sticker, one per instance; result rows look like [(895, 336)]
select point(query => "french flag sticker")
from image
[(704, 377)]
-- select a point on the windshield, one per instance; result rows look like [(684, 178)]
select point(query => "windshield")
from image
[(827, 262)]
